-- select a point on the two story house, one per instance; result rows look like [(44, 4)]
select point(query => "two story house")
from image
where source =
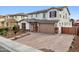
[(48, 21), (17, 17), (13, 19), (2, 21)]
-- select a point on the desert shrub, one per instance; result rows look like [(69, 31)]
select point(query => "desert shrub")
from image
[(6, 29), (3, 31), (15, 29)]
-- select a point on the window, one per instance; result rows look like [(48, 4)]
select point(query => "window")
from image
[(36, 15), (21, 16), (43, 15), (66, 16), (11, 16), (52, 14), (15, 16), (65, 23), (7, 23), (59, 24), (31, 16), (63, 16), (62, 24), (60, 15)]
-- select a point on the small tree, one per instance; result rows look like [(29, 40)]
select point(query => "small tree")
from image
[(3, 22), (15, 29), (72, 20)]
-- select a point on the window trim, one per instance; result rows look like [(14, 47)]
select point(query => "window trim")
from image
[(36, 15), (44, 15), (54, 15)]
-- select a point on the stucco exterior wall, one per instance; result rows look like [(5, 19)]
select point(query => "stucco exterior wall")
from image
[(64, 21), (39, 16), (27, 25), (3, 22), (62, 16), (17, 18)]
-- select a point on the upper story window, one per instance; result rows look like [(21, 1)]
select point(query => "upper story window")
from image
[(21, 16), (36, 15), (60, 15), (66, 16), (12, 16), (52, 14), (63, 16), (31, 16), (44, 15), (15, 16)]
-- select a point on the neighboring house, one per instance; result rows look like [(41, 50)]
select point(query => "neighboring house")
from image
[(17, 17), (49, 21), (76, 23), (11, 22), (2, 22), (23, 24)]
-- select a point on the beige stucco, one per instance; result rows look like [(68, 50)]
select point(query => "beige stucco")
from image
[(2, 22), (27, 24), (17, 18), (63, 21)]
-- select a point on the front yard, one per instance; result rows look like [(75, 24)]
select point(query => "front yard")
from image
[(75, 45), (41, 41), (48, 42), (9, 33)]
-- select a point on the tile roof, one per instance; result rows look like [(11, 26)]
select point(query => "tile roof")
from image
[(42, 11), (11, 20), (40, 21), (18, 14)]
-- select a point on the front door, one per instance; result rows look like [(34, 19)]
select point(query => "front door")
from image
[(35, 27), (23, 26)]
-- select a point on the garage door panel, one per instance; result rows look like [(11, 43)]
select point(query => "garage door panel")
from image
[(46, 28)]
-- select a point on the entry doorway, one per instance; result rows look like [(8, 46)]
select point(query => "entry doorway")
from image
[(24, 26), (35, 27)]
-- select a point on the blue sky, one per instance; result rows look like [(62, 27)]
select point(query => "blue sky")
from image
[(74, 10)]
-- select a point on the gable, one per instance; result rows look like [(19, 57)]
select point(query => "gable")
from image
[(66, 10)]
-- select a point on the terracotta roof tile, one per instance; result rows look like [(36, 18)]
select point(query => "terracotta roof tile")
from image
[(11, 20)]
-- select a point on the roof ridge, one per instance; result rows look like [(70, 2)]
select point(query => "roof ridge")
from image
[(47, 9)]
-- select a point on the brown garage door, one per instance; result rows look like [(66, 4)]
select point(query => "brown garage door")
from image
[(46, 28)]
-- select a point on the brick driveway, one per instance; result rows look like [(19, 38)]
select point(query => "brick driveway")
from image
[(57, 42)]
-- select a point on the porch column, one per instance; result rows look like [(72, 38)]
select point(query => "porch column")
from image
[(59, 30)]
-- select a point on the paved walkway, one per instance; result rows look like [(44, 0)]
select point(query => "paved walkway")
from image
[(13, 46), (57, 42), (2, 49)]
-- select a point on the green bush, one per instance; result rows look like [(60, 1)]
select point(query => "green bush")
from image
[(3, 31), (15, 29), (6, 29)]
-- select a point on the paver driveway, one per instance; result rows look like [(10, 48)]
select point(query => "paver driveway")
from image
[(57, 42)]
